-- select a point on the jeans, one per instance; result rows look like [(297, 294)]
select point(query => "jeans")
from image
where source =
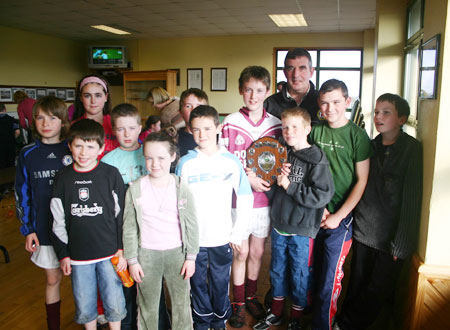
[(85, 280)]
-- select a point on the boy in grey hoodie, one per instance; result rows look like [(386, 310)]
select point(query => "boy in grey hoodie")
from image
[(303, 189)]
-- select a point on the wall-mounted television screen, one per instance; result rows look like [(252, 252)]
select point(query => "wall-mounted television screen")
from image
[(101, 57)]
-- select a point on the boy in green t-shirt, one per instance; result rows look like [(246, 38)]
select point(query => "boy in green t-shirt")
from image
[(348, 150)]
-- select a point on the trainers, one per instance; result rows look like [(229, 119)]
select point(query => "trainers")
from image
[(294, 324), (268, 321), (237, 319), (255, 308)]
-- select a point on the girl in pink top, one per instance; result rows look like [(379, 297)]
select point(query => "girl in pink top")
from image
[(160, 235)]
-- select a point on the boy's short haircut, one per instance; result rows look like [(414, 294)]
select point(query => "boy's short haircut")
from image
[(87, 130), (205, 111), (124, 110), (332, 85), (52, 106), (256, 72), (292, 54), (298, 112), (198, 93), (400, 104)]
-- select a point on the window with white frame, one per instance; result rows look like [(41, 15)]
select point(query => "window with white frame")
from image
[(342, 64)]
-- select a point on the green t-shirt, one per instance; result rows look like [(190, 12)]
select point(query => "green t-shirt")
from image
[(344, 147)]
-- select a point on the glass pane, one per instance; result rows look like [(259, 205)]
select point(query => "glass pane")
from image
[(313, 54), (412, 79), (429, 58), (340, 58), (281, 55), (427, 84), (280, 76), (414, 18), (350, 78)]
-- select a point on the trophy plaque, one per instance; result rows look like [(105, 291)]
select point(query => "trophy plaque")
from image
[(265, 157)]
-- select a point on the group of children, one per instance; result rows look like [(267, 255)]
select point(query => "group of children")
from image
[(214, 214)]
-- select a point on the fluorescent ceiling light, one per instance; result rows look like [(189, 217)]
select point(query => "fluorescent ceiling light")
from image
[(109, 29), (289, 20)]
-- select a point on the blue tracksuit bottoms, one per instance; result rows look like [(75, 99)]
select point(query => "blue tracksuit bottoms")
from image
[(330, 250), (209, 287)]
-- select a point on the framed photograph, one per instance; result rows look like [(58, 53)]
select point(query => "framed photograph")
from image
[(178, 75), (51, 92), (70, 94), (429, 63), (6, 94), (41, 92), (31, 92), (61, 93), (219, 79), (195, 78)]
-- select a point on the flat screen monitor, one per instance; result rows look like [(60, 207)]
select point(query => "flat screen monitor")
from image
[(101, 57)]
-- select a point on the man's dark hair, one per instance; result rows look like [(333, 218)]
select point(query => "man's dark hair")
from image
[(332, 85), (205, 111), (292, 54), (87, 130), (400, 104), (2, 107)]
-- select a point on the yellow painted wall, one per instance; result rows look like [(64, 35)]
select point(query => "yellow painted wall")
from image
[(434, 133), (232, 52), (33, 59)]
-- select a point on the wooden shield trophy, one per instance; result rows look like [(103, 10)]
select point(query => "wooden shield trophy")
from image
[(265, 157)]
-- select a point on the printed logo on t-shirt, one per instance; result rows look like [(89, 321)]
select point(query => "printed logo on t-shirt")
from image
[(84, 210), (239, 140), (332, 145), (67, 160), (83, 194), (51, 156)]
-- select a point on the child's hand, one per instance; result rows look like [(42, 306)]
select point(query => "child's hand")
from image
[(235, 247), (331, 221), (286, 169), (258, 184), (283, 181), (31, 242), (250, 172), (188, 269), (66, 267), (136, 272), (122, 264), (325, 214)]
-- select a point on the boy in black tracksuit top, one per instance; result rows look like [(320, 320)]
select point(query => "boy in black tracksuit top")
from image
[(303, 190)]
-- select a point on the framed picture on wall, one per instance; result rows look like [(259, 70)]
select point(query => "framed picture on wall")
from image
[(61, 93), (219, 79), (31, 92), (41, 92), (70, 94), (195, 78), (6, 94), (51, 92), (429, 63)]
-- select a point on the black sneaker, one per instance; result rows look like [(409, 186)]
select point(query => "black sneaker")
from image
[(255, 308), (237, 319), (268, 321), (294, 324)]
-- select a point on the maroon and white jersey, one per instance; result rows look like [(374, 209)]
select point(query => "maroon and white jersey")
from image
[(239, 132)]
